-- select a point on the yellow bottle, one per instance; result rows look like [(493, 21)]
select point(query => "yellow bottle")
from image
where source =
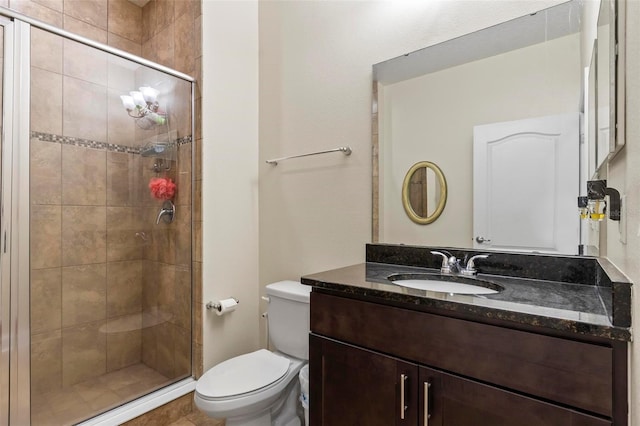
[(596, 209)]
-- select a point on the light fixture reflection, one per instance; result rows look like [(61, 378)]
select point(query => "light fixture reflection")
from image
[(143, 106)]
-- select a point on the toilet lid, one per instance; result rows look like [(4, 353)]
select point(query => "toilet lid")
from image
[(242, 374)]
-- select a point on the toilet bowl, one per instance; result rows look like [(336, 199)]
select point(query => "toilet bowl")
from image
[(247, 386), (261, 388)]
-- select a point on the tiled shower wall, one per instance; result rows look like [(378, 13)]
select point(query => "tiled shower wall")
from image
[(166, 274), (166, 31), (113, 22), (110, 288), (75, 197), (172, 36)]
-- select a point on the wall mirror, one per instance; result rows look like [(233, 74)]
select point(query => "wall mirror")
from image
[(503, 101), (590, 124), (603, 76), (590, 231), (521, 71), (608, 144), (424, 192)]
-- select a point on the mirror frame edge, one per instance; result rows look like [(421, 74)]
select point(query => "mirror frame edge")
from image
[(617, 99), (375, 165)]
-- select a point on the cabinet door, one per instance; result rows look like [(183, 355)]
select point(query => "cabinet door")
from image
[(351, 386), (449, 400)]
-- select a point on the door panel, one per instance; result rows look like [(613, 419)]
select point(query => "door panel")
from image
[(526, 181)]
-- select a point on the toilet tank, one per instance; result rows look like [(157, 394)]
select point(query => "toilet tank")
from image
[(288, 318)]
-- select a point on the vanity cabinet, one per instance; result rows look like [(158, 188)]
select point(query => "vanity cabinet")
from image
[(360, 387), (374, 364)]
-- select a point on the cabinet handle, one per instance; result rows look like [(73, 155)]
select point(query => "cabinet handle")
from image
[(427, 385), (403, 383)]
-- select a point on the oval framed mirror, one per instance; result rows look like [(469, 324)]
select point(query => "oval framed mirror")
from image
[(424, 192)]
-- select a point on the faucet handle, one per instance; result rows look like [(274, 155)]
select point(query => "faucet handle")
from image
[(167, 212), (470, 269), (445, 268)]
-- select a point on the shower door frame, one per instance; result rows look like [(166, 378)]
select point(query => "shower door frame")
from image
[(14, 223), (15, 343)]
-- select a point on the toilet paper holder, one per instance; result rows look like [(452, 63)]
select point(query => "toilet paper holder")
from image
[(217, 306)]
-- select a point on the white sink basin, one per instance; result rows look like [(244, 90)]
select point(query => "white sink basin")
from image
[(445, 283), (444, 286)]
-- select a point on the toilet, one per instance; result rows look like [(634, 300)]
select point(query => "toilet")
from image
[(261, 388)]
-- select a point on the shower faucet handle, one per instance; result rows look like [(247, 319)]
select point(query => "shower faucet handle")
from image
[(167, 212)]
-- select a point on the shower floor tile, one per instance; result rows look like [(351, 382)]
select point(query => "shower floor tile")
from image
[(81, 401)]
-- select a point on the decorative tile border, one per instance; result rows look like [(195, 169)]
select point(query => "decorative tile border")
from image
[(87, 143), (185, 140)]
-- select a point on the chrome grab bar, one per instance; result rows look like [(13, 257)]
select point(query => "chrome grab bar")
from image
[(345, 149)]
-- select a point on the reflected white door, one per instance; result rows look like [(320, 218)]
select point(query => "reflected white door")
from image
[(526, 184)]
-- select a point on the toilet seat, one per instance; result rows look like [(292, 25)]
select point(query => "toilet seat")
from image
[(242, 375)]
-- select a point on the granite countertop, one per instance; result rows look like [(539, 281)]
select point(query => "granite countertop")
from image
[(565, 306)]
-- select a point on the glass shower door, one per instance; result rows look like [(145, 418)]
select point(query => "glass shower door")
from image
[(14, 256), (110, 220)]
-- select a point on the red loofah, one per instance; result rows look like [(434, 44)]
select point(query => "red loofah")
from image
[(162, 188)]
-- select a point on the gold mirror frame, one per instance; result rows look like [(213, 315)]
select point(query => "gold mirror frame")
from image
[(406, 203)]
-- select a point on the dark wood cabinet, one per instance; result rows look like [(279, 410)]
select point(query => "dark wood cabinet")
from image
[(372, 364), (352, 386), (456, 401), (360, 387)]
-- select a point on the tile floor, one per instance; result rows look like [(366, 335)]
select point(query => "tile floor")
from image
[(196, 418), (87, 399)]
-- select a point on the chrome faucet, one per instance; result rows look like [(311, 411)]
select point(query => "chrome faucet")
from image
[(470, 269), (451, 265)]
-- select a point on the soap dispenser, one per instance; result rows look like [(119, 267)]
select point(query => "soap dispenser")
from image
[(594, 206)]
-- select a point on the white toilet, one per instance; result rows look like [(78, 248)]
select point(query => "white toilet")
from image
[(262, 388)]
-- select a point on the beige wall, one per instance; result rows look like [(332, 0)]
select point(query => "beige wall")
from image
[(315, 94), (431, 118), (230, 176), (624, 175)]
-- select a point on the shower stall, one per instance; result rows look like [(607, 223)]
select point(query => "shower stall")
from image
[(95, 264)]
